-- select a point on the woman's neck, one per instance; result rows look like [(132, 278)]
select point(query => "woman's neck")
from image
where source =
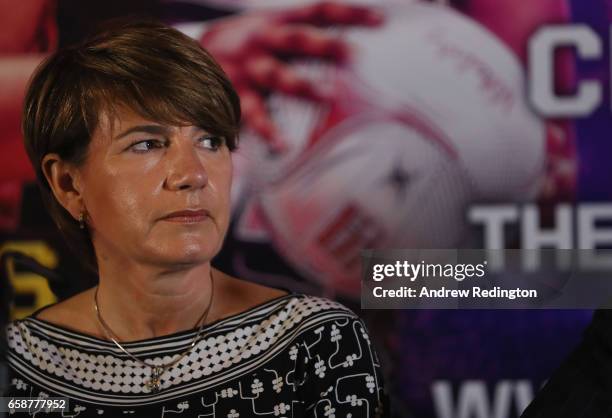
[(143, 303)]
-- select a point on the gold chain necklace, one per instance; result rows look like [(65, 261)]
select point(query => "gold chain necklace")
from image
[(154, 384)]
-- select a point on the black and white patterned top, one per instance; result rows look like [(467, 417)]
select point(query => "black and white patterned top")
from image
[(292, 356)]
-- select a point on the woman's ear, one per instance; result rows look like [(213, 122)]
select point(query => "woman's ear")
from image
[(65, 183)]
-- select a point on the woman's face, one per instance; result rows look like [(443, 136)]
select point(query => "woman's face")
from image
[(138, 174)]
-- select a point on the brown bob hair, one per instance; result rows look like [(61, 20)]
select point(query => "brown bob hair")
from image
[(151, 68)]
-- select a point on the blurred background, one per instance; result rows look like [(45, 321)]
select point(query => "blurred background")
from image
[(454, 124)]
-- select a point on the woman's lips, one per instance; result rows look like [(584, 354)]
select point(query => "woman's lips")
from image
[(186, 216)]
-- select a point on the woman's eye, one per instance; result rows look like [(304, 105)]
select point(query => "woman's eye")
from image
[(146, 145), (211, 142)]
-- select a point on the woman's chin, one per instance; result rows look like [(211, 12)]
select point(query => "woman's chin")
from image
[(184, 253), (194, 254)]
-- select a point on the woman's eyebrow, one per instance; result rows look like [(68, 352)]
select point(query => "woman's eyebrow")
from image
[(196, 129), (150, 129)]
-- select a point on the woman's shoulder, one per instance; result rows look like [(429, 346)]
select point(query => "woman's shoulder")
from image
[(334, 353), (64, 319), (241, 295), (250, 296), (283, 307), (71, 314), (245, 303)]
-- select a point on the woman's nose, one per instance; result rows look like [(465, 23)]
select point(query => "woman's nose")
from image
[(185, 168)]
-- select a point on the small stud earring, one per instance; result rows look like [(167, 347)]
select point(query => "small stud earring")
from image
[(82, 220)]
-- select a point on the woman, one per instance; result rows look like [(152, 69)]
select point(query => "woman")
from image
[(131, 134)]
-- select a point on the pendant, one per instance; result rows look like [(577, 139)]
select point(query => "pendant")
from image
[(154, 384)]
